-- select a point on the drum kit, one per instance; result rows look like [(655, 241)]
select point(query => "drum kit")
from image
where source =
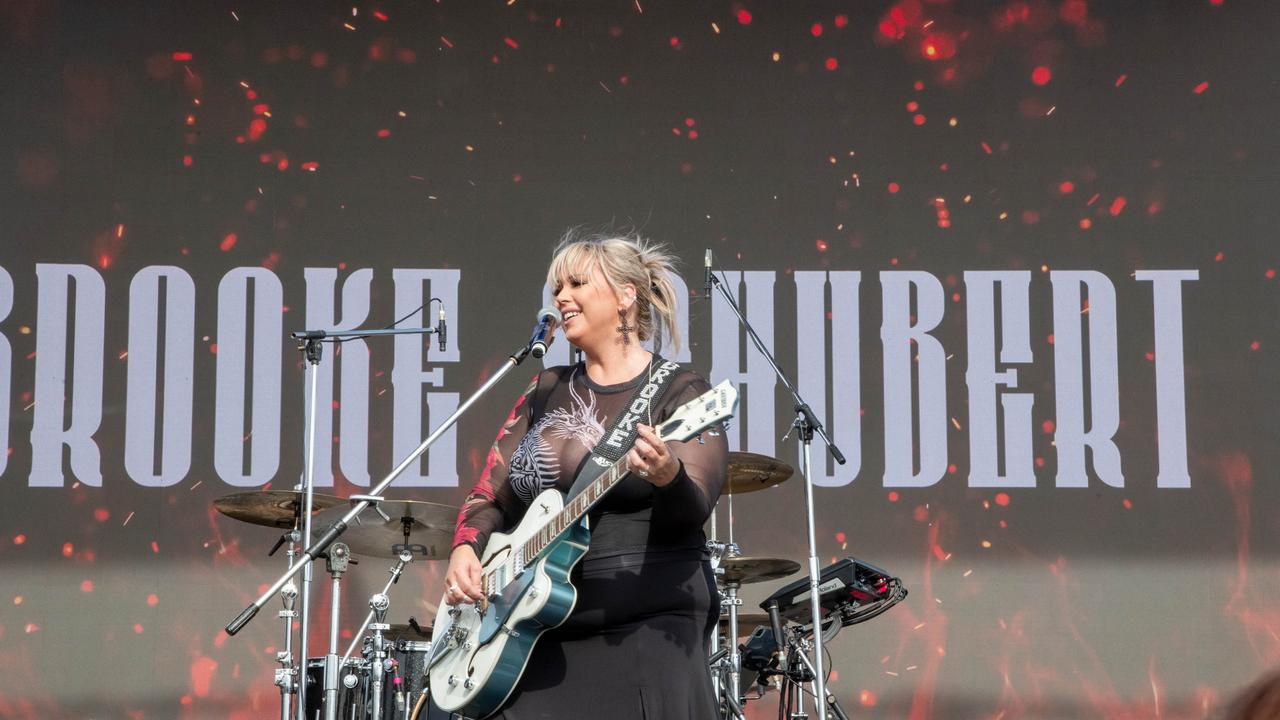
[(383, 672)]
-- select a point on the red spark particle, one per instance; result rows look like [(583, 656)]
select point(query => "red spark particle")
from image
[(445, 40), (918, 86), (137, 628), (1270, 274), (1030, 217), (68, 550), (228, 242), (816, 30), (831, 63), (675, 41), (1120, 80), (1150, 356), (19, 539), (256, 128), (894, 187), (938, 46), (913, 106), (380, 15), (1066, 187), (841, 21), (918, 119), (893, 496), (202, 675), (1041, 75), (867, 698), (1201, 87), (283, 164), (516, 178), (1219, 257), (181, 56), (690, 122), (693, 134), (511, 43), (155, 547), (1255, 345), (1085, 223), (1117, 205), (920, 513), (250, 94), (840, 537), (1128, 504), (384, 133), (1074, 12), (187, 160), (1002, 499), (986, 148), (952, 468), (31, 628), (153, 600), (101, 514), (1215, 3), (311, 166), (1047, 426), (820, 244), (86, 586), (744, 16)]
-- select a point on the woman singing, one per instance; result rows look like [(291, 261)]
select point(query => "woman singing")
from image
[(635, 644)]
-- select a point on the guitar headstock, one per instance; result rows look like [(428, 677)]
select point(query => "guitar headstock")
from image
[(714, 406)]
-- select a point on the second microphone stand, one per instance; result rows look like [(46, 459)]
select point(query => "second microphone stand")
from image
[(807, 424)]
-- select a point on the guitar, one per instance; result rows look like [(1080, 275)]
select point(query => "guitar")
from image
[(480, 649)]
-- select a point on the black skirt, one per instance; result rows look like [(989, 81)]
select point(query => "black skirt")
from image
[(634, 648)]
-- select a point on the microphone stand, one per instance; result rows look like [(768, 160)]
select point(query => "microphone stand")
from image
[(807, 423), (309, 343)]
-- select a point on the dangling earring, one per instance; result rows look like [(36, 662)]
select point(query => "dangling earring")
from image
[(624, 327)]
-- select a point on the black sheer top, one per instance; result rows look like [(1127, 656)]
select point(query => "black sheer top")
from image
[(550, 432)]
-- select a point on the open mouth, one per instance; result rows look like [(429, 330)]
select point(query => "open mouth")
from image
[(571, 315)]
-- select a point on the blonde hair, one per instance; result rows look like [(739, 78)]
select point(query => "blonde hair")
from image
[(625, 259)]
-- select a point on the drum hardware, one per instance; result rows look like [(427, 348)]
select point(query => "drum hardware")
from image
[(808, 425), (326, 546), (851, 589), (336, 561), (387, 528), (379, 603), (287, 674)]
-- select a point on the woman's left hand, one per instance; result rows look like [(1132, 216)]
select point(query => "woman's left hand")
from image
[(650, 459)]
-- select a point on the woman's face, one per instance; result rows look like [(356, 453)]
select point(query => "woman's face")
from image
[(589, 307)]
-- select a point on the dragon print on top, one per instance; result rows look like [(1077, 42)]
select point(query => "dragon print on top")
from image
[(534, 465)]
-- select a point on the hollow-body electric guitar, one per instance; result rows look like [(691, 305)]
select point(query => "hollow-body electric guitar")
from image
[(480, 649)]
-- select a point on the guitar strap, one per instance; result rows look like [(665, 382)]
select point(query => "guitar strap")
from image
[(617, 440)]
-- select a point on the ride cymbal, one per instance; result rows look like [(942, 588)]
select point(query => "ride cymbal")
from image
[(424, 529), (743, 569)]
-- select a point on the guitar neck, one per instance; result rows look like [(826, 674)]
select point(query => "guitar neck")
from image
[(576, 509)]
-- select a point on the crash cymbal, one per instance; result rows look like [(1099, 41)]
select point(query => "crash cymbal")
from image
[(413, 631), (747, 622), (272, 508), (743, 569), (423, 528), (749, 472)]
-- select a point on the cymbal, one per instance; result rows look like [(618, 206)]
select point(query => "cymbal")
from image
[(272, 508), (381, 531), (747, 622), (749, 472), (744, 569)]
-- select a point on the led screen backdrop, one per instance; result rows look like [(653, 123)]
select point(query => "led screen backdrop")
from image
[(1018, 255)]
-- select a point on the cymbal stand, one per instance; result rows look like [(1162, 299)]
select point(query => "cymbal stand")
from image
[(405, 558), (800, 670), (808, 425), (336, 564), (287, 673)]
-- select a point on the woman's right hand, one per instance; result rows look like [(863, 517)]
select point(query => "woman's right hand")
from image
[(462, 579)]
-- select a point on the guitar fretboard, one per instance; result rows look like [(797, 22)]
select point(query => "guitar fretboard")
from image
[(574, 511)]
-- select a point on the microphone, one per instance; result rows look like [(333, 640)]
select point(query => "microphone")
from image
[(548, 320), (707, 273), (441, 329)]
